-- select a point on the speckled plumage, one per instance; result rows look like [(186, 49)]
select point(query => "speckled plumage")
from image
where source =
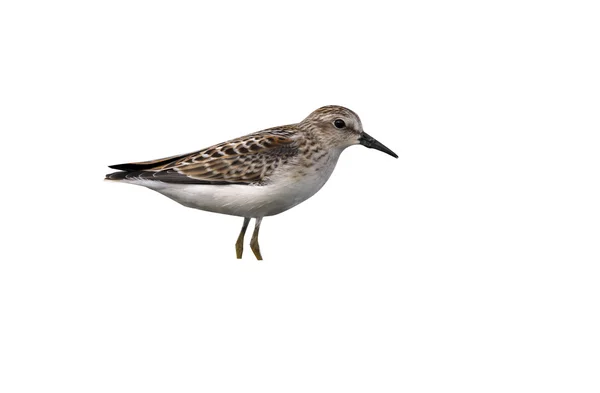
[(257, 175)]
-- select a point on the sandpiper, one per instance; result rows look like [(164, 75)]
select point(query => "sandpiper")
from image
[(257, 175)]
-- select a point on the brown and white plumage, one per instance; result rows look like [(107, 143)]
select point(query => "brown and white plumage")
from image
[(257, 175), (245, 160)]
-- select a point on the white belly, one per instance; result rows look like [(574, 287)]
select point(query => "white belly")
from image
[(285, 190)]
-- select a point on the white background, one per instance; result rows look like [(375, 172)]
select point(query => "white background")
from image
[(470, 264)]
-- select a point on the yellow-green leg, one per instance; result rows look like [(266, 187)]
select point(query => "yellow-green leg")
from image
[(254, 241), (239, 245)]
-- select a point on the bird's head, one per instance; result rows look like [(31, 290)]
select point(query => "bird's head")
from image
[(339, 127)]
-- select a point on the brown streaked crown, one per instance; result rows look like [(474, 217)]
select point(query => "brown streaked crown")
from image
[(331, 112)]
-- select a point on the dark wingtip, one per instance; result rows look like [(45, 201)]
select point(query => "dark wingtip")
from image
[(125, 167)]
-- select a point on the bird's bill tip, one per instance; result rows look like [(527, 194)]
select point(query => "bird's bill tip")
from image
[(372, 143)]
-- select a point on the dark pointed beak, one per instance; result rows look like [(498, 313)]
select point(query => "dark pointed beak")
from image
[(372, 143)]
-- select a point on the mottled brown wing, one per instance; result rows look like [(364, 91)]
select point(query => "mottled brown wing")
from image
[(245, 160)]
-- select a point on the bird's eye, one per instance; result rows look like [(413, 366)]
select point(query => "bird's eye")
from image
[(339, 123)]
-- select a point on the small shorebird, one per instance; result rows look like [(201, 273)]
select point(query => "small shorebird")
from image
[(257, 175)]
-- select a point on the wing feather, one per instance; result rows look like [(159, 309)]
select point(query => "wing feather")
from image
[(246, 160)]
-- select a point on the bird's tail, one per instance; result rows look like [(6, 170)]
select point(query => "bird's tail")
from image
[(116, 175)]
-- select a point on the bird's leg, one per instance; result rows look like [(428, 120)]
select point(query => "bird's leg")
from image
[(254, 241), (239, 245)]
